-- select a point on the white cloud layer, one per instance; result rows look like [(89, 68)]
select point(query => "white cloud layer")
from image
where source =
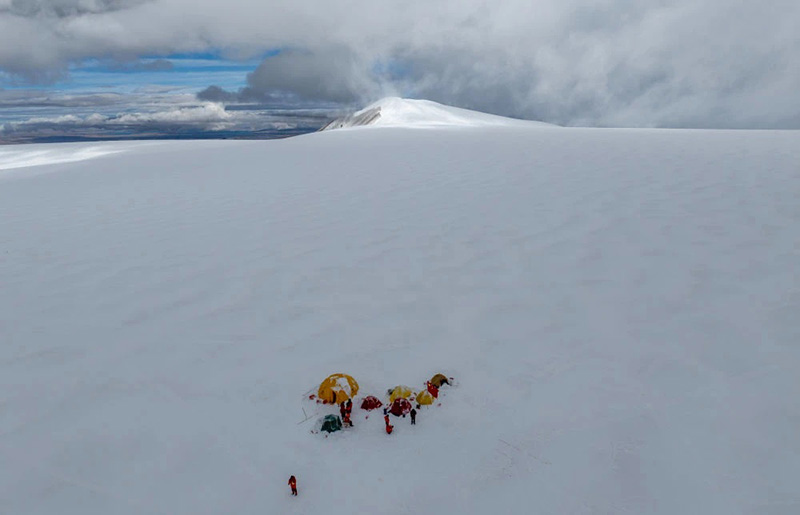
[(606, 62), (208, 116)]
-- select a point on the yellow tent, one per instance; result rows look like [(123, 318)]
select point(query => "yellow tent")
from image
[(337, 388), (425, 398), (400, 391), (438, 380)]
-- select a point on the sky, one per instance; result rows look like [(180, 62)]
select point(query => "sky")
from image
[(603, 63)]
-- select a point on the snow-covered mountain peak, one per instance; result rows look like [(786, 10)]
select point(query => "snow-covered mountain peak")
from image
[(404, 112)]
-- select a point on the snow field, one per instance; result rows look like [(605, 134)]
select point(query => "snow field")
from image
[(619, 307)]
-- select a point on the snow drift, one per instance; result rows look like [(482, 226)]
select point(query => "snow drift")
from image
[(36, 155), (619, 308)]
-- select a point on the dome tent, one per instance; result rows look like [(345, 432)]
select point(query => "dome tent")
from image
[(331, 423), (337, 388), (425, 398), (400, 406), (400, 391), (371, 403), (439, 379)]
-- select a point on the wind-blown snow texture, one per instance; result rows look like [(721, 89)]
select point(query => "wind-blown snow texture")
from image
[(619, 307)]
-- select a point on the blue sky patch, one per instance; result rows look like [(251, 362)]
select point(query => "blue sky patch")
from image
[(186, 73)]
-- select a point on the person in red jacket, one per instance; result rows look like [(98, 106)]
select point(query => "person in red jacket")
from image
[(293, 484), (389, 427), (348, 410)]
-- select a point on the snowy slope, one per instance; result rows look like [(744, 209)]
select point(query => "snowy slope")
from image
[(14, 157), (618, 306), (408, 113)]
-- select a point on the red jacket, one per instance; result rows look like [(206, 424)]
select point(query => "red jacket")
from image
[(292, 482)]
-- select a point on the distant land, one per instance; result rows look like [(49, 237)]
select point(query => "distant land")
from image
[(237, 122), (74, 137)]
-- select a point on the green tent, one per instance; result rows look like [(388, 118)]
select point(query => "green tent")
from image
[(331, 423)]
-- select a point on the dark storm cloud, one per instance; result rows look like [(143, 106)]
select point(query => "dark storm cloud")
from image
[(678, 63), (246, 95), (217, 94), (333, 75)]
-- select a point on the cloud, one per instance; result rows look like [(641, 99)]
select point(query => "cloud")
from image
[(64, 8), (207, 116), (217, 94), (329, 75), (19, 98), (156, 65), (210, 116), (676, 63)]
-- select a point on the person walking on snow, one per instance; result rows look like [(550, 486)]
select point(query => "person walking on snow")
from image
[(293, 484), (413, 417)]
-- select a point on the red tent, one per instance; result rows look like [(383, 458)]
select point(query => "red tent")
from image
[(371, 403), (400, 406), (432, 389)]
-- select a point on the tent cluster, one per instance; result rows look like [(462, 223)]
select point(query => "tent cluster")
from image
[(339, 388)]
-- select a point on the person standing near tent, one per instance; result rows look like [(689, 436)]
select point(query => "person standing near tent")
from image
[(293, 484), (348, 410), (389, 427), (413, 416)]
